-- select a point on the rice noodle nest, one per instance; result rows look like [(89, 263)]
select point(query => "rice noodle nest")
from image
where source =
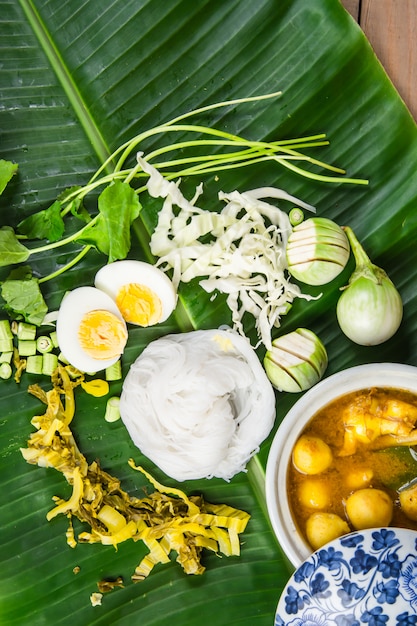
[(198, 404)]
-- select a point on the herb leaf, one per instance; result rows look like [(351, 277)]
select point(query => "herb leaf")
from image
[(118, 207), (11, 250), (7, 170), (47, 224), (23, 296)]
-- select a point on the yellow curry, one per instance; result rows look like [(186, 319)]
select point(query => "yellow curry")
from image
[(354, 464)]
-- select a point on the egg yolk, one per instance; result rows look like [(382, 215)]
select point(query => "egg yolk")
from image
[(102, 334), (139, 304)]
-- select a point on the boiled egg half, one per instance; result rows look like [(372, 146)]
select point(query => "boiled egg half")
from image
[(142, 292), (91, 331)]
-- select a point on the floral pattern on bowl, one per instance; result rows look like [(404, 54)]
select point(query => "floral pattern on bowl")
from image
[(367, 577)]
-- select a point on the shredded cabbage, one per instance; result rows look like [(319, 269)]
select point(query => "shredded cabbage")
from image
[(198, 404), (239, 251)]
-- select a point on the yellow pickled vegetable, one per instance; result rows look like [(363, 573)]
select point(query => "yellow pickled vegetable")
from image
[(166, 520)]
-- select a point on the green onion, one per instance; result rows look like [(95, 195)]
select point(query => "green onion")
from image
[(296, 216), (317, 251), (112, 413), (26, 347), (296, 362), (370, 309)]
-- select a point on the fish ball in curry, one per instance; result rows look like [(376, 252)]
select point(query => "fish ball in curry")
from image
[(314, 493), (359, 478), (311, 455), (408, 502), (369, 507), (324, 527)]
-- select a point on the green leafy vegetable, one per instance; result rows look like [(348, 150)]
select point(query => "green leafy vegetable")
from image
[(47, 224), (119, 206), (12, 251), (7, 170), (23, 296)]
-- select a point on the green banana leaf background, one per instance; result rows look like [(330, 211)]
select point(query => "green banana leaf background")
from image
[(78, 79)]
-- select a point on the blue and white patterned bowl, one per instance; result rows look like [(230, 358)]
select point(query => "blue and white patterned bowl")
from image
[(366, 577)]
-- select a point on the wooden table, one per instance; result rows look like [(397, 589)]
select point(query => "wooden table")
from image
[(391, 28)]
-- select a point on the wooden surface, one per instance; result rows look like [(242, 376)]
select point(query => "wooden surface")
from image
[(391, 28)]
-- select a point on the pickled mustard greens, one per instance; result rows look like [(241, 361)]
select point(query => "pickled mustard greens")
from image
[(166, 521)]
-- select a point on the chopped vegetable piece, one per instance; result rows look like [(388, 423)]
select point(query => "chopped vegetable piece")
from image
[(6, 357), (26, 331), (49, 363), (114, 372), (5, 370), (44, 344), (96, 387), (96, 598), (166, 520), (26, 347), (34, 364), (104, 586), (112, 413)]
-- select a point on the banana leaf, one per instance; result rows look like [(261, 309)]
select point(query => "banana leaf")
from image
[(77, 80)]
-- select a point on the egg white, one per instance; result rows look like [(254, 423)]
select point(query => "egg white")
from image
[(112, 277), (74, 306)]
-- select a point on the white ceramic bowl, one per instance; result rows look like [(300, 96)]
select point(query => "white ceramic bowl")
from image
[(353, 379)]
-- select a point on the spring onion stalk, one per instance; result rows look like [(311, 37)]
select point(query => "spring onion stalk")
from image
[(296, 216), (317, 251), (370, 309), (296, 362)]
